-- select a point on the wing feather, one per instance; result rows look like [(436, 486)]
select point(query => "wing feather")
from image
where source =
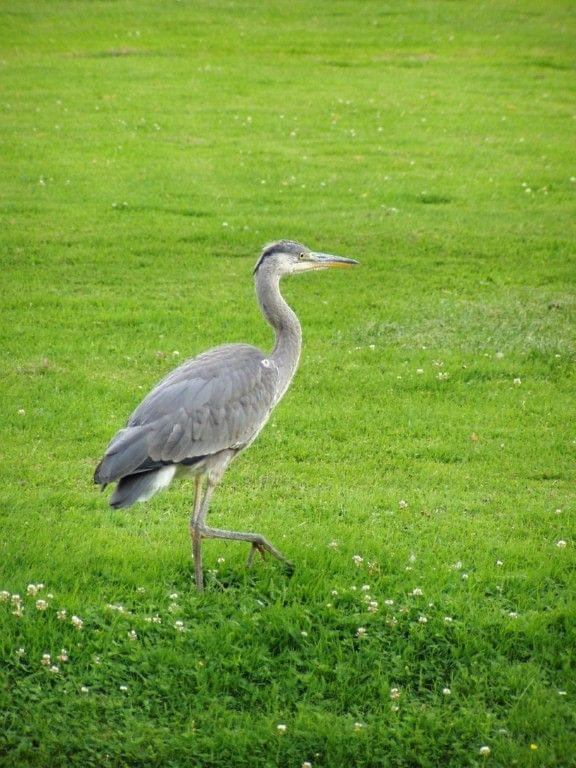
[(217, 400)]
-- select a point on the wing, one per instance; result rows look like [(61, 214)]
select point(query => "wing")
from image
[(217, 400)]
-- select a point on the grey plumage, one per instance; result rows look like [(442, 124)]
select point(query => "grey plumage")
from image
[(202, 414)]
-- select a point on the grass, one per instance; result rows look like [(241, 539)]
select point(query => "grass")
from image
[(420, 472)]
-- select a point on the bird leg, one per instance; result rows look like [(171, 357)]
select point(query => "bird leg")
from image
[(196, 538), (257, 540), (199, 531)]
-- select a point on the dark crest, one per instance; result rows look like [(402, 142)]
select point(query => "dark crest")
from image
[(282, 246)]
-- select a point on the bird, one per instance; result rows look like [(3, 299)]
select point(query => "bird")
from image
[(209, 409)]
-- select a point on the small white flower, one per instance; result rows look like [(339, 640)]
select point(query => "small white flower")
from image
[(562, 693), (389, 602), (174, 596), (419, 371), (20, 652), (84, 689), (115, 607), (513, 614), (373, 606), (221, 560), (41, 605), (517, 382), (334, 592), (365, 587), (21, 412), (77, 622), (457, 565), (281, 728), (561, 544), (358, 560), (416, 592), (132, 635), (361, 632), (448, 619), (124, 688), (499, 563), (63, 656), (32, 589), (402, 504), (333, 544), (394, 693), (464, 577), (422, 620), (358, 726), (304, 633), (485, 751), (179, 625), (446, 691), (46, 660), (55, 669), (4, 596), (61, 615), (15, 599), (306, 764)]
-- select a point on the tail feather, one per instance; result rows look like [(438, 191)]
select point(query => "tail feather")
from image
[(142, 486)]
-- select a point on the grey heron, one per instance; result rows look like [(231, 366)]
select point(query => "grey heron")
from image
[(202, 414)]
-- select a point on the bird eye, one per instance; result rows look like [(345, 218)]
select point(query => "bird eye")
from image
[(301, 255)]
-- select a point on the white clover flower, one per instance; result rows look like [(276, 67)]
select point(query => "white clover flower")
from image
[(448, 619), (513, 614), (485, 751), (358, 560), (394, 693), (20, 652), (446, 691), (54, 669), (132, 635), (517, 382), (63, 656), (561, 544), (4, 596), (304, 633), (373, 606), (281, 728), (115, 607), (389, 602), (84, 689), (361, 632), (61, 615), (417, 592), (174, 596), (32, 590), (179, 625), (46, 659), (365, 587), (123, 688), (402, 504), (422, 620), (333, 544), (358, 726), (562, 693), (77, 622), (499, 563), (41, 605), (15, 599)]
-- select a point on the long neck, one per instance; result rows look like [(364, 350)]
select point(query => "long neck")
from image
[(285, 324)]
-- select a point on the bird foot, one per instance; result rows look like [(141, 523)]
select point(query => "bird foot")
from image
[(256, 547)]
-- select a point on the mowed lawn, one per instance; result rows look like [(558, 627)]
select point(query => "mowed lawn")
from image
[(419, 473)]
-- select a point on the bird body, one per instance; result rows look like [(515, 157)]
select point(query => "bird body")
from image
[(203, 413)]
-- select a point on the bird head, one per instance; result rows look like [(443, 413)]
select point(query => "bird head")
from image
[(287, 257)]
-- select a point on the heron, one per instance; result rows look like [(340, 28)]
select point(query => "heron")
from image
[(212, 407)]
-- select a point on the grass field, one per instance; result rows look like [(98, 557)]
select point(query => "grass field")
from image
[(420, 472)]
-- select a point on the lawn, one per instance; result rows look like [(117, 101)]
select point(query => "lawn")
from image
[(420, 471)]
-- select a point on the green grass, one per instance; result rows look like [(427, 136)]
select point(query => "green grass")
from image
[(148, 151)]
